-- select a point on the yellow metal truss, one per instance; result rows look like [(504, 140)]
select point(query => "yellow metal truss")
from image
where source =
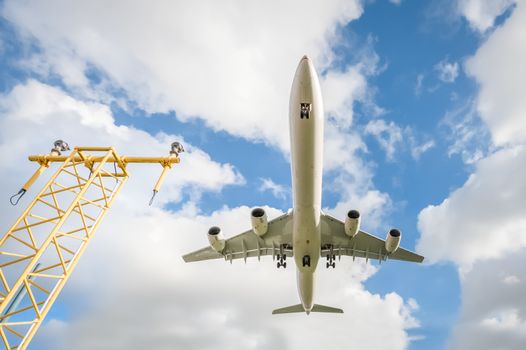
[(39, 252)]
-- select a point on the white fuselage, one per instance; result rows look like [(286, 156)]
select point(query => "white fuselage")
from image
[(306, 136)]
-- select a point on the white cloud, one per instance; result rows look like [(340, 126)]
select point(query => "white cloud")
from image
[(393, 138), (447, 71), (487, 209), (230, 64), (33, 115), (511, 279), (482, 219), (419, 83), (481, 14), (160, 302), (136, 292), (481, 225), (498, 67), (227, 63), (341, 90), (278, 191), (396, 2), (468, 135), (387, 135), (495, 318)]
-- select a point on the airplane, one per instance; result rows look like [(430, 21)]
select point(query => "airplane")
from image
[(305, 233)]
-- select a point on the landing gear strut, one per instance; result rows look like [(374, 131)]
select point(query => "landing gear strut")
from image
[(281, 258), (331, 259)]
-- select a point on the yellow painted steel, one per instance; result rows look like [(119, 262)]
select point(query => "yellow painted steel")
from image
[(39, 252)]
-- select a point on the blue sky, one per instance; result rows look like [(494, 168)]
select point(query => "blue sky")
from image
[(422, 108)]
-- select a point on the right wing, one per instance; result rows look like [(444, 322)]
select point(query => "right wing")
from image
[(277, 240), (363, 245)]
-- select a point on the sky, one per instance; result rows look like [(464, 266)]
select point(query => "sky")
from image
[(425, 131)]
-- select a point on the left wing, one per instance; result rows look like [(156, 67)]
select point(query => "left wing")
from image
[(277, 240), (363, 245)]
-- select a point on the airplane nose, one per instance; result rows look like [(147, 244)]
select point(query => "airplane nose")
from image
[(305, 57)]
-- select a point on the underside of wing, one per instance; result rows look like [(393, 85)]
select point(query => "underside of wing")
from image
[(275, 241), (363, 245)]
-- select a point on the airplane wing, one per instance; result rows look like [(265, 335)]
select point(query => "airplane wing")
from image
[(363, 245), (277, 240)]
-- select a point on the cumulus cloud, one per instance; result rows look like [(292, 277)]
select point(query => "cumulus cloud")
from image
[(498, 68), (277, 190), (159, 302), (482, 219), (481, 14), (468, 136), (41, 113), (496, 318), (392, 137), (234, 72), (498, 177), (481, 225), (229, 64), (136, 291)]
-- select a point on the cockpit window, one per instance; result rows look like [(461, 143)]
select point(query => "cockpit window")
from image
[(305, 109)]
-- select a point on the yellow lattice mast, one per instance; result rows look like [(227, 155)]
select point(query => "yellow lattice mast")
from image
[(39, 252)]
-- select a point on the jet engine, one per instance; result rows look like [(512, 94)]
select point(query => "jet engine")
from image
[(392, 242), (216, 239), (352, 223), (259, 221)]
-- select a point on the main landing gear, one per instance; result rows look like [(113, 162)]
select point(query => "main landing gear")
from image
[(330, 261), (331, 257), (281, 261), (282, 257)]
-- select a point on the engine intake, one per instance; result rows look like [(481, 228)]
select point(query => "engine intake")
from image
[(259, 221), (352, 223), (392, 242), (216, 239)]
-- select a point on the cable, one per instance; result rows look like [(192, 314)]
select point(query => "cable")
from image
[(153, 196), (20, 194)]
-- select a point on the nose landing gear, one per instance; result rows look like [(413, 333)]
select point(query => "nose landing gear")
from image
[(306, 260)]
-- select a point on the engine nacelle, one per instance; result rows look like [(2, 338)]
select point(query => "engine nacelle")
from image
[(259, 221), (216, 239), (352, 223), (392, 242)]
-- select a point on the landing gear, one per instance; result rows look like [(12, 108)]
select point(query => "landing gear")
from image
[(331, 258), (306, 260), (281, 260)]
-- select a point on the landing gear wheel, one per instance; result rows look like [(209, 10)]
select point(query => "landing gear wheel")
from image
[(328, 265), (278, 265), (284, 265)]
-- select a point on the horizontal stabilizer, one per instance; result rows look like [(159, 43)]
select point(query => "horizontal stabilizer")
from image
[(299, 308), (323, 308), (289, 309)]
